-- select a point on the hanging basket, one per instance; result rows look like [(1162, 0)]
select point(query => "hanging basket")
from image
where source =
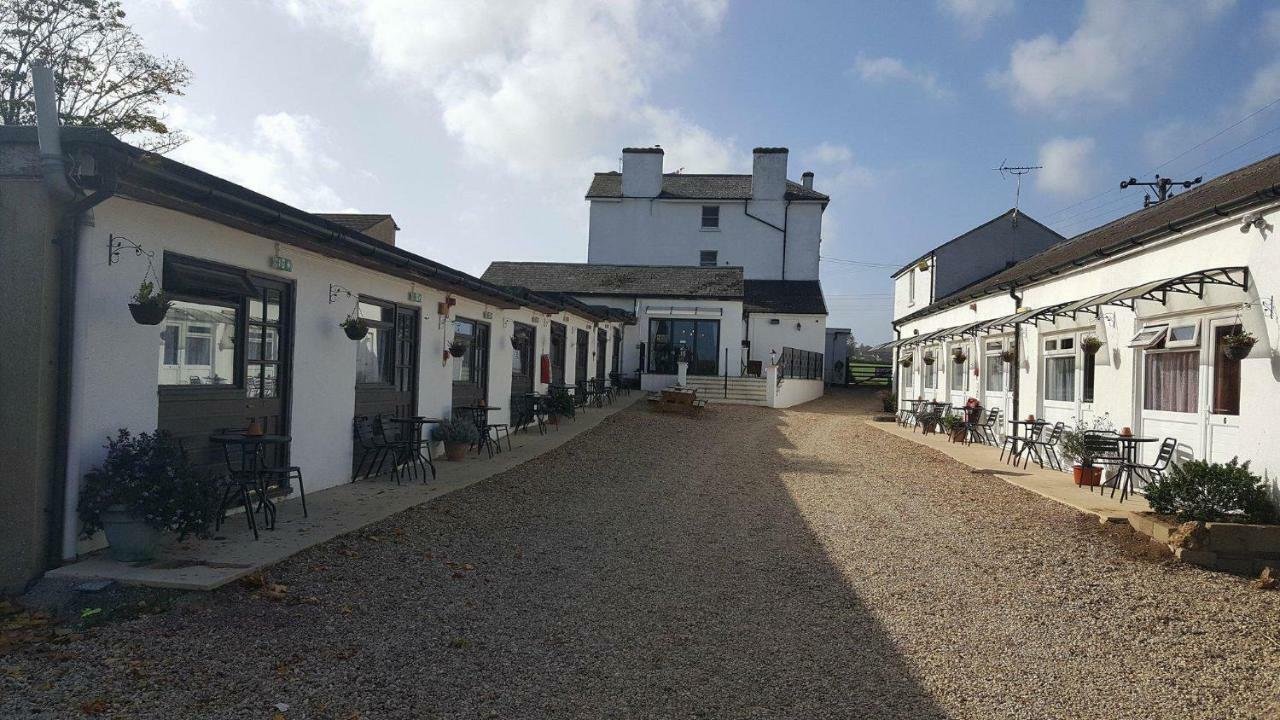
[(1091, 345), (959, 358), (457, 349), (928, 358), (355, 329), (1008, 357), (1237, 352), (149, 313)]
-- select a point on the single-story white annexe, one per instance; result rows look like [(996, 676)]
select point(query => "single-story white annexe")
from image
[(260, 289), (726, 323), (1160, 288)]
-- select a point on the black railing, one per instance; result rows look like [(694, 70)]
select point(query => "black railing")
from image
[(800, 364)]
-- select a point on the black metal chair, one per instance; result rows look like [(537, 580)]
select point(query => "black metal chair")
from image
[(973, 427), (241, 483), (987, 430), (371, 449), (1045, 447), (402, 451), (1157, 469), (619, 388), (1103, 449)]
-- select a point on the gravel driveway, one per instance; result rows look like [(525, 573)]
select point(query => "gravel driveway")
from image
[(747, 563)]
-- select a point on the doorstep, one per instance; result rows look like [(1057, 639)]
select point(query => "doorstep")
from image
[(1051, 484), (206, 564)]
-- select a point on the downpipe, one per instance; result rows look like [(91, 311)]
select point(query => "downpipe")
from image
[(1017, 354)]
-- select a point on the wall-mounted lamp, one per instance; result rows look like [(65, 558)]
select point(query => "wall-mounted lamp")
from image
[(1255, 220), (798, 327)]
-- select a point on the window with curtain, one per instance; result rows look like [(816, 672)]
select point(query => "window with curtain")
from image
[(993, 368), (959, 373), (373, 352), (1060, 369), (1171, 381), (1226, 374), (930, 375)]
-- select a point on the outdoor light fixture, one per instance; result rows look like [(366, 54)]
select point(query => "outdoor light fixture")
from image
[(1255, 220)]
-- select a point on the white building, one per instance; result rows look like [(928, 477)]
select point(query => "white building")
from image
[(1160, 288)]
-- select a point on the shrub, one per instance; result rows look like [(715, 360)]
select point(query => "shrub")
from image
[(149, 475), (561, 404), (888, 401), (951, 423), (455, 431), (1199, 490)]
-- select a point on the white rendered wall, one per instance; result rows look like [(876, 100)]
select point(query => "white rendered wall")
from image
[(765, 336), (669, 232), (794, 391), (1117, 391)]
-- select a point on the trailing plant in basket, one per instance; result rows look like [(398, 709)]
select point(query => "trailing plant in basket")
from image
[(455, 431), (457, 348), (905, 362), (148, 306), (148, 474), (929, 358), (355, 327), (959, 356), (1238, 344), (1091, 345), (1199, 490), (1008, 356)]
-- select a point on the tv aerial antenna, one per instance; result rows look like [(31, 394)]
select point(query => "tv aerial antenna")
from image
[(1017, 171), (1162, 186)]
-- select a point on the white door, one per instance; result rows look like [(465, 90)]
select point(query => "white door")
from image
[(1222, 410)]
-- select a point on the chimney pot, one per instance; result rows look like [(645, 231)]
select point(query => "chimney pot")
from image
[(807, 180)]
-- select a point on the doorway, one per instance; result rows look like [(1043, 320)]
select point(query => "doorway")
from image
[(559, 354), (580, 366), (471, 371), (387, 360)]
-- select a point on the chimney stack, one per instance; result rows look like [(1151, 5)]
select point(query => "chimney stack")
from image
[(807, 180), (769, 173), (641, 172)]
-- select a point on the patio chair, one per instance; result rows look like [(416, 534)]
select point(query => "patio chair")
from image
[(1157, 469), (973, 427), (619, 388), (371, 450), (240, 483), (1045, 448), (1103, 449), (987, 430)]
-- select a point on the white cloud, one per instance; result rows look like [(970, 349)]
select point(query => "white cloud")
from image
[(540, 88), (886, 70), (974, 14), (827, 153), (1068, 166), (1119, 48), (282, 156)]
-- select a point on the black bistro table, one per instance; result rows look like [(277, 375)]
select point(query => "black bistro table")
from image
[(1023, 430), (413, 425), (1129, 452), (251, 457), (480, 416)]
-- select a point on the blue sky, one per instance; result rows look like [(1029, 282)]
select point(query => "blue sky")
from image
[(477, 124)]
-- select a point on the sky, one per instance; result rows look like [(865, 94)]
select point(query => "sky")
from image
[(478, 124)]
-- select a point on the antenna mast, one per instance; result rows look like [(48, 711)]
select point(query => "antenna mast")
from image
[(1162, 186), (1017, 171)]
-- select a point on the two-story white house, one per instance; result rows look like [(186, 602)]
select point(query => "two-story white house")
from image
[(752, 242)]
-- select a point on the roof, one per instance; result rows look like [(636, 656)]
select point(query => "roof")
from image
[(355, 221), (683, 186), (683, 281), (791, 297), (1233, 192), (1006, 215)]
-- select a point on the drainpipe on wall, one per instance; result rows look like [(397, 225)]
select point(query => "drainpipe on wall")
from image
[(73, 205), (1017, 353)]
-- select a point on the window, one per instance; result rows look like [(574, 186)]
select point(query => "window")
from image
[(1182, 335), (700, 338), (262, 372), (1149, 336), (1171, 380), (993, 367), (1090, 369), (710, 217), (198, 344), (1226, 374), (930, 371), (911, 286), (373, 352), (1060, 369), (464, 331), (707, 258), (959, 371)]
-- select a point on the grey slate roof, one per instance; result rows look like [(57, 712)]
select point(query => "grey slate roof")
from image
[(795, 297), (355, 221), (680, 186), (638, 280), (1231, 192)]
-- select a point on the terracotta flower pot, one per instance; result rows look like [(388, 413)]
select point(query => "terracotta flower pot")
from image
[(957, 435), (455, 451), (1086, 476)]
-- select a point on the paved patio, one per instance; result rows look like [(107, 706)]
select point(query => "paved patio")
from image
[(745, 563), (233, 553)]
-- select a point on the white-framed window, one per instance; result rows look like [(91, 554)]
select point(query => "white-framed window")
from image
[(993, 367), (1170, 365), (911, 286), (1060, 369), (1149, 336), (930, 371), (708, 258), (710, 217), (1182, 335), (959, 371)]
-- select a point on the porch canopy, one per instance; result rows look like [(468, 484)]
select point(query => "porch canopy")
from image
[(1156, 290)]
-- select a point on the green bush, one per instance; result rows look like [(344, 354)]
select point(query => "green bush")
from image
[(1198, 490), (455, 431), (888, 401), (149, 475), (561, 404)]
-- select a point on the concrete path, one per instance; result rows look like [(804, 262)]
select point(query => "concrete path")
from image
[(1054, 485), (234, 553)]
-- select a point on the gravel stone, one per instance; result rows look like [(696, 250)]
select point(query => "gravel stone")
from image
[(747, 563)]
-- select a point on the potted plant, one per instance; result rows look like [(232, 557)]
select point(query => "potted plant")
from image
[(144, 487), (1238, 344), (1076, 451), (1091, 345), (355, 327), (457, 436), (905, 361), (959, 356), (559, 405), (457, 348), (888, 401), (955, 427), (149, 307), (928, 357), (1008, 356)]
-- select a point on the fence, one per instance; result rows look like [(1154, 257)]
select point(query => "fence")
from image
[(866, 373), (800, 364)]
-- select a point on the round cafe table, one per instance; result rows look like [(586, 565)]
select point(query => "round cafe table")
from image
[(1023, 430), (1129, 451)]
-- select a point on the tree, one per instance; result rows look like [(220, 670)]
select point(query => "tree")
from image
[(105, 76)]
